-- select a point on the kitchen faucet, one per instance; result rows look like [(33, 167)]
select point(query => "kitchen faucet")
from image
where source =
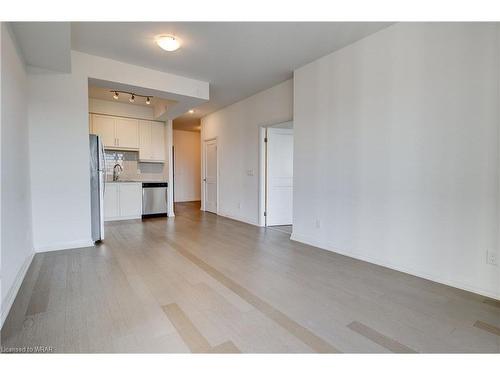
[(116, 174)]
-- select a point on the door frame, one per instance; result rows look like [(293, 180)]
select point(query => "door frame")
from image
[(173, 172), (262, 175), (263, 170), (169, 135), (203, 170)]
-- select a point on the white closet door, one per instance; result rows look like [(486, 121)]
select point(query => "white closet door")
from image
[(210, 178), (279, 176)]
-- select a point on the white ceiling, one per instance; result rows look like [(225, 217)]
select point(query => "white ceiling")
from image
[(238, 59), (45, 45)]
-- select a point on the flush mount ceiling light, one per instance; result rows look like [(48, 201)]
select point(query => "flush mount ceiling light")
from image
[(132, 96), (168, 42), (191, 111)]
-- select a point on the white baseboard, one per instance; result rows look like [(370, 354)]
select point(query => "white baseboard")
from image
[(239, 218), (401, 268), (121, 218), (64, 246), (12, 293), (187, 200)]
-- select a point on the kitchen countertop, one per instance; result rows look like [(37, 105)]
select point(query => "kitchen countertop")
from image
[(133, 181)]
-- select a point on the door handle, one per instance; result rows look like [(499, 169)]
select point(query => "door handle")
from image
[(204, 180)]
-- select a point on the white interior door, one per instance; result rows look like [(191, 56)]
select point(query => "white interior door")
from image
[(279, 176), (210, 178)]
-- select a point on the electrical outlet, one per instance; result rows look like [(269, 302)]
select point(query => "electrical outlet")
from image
[(318, 223), (491, 258)]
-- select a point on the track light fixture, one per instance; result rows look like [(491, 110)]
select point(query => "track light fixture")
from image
[(116, 94)]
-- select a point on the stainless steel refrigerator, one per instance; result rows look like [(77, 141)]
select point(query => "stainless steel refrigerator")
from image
[(97, 186)]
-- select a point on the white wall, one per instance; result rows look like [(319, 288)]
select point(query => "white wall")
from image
[(58, 114), (59, 146), (187, 160), (236, 128), (16, 244), (396, 152)]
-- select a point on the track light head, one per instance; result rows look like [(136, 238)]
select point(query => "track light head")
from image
[(131, 99)]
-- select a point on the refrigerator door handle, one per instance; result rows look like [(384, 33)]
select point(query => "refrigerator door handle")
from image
[(103, 171), (101, 197)]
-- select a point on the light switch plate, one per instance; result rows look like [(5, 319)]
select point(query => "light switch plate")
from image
[(491, 258)]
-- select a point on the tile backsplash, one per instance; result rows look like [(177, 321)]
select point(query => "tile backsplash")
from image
[(133, 169)]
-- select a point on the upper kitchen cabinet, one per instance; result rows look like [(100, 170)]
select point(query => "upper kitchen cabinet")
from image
[(151, 141), (104, 127), (117, 132), (158, 140), (127, 132)]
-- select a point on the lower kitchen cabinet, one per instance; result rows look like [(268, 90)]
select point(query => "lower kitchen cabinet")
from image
[(111, 208), (122, 201)]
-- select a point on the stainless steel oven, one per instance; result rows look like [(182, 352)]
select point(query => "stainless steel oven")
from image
[(154, 199)]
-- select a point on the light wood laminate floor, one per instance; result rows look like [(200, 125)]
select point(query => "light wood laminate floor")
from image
[(202, 283)]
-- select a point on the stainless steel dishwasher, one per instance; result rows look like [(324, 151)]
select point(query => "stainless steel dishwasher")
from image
[(154, 199)]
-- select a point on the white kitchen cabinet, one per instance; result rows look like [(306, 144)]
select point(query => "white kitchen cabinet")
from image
[(127, 132), (152, 141), (158, 141), (117, 132), (122, 201), (130, 201), (145, 152), (104, 127), (111, 207)]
